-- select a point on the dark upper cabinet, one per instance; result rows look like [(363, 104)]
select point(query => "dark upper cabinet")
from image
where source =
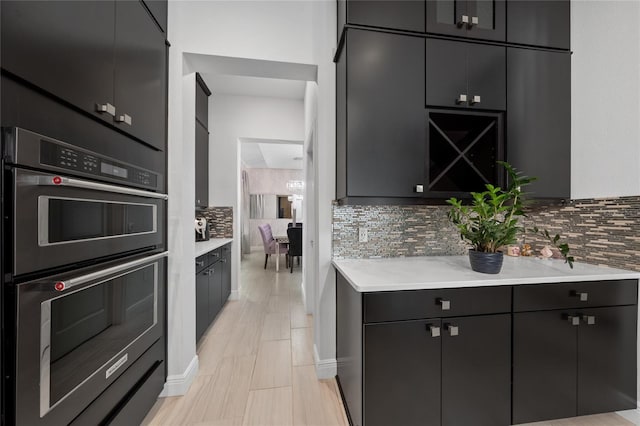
[(65, 48), (539, 23), (465, 75), (573, 363), (158, 9), (140, 74), (396, 14), (380, 115), (539, 119), (106, 58), (402, 370), (202, 166), (202, 101), (479, 19)]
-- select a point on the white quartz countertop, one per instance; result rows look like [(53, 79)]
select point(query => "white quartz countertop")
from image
[(204, 247), (437, 272)]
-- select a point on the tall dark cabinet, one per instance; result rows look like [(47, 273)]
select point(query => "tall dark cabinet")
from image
[(202, 143), (505, 60)]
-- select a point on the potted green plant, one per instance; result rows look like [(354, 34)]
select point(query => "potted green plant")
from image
[(491, 220)]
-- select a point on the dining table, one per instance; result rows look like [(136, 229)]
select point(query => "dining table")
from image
[(281, 240)]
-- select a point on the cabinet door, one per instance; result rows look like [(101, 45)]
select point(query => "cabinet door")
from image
[(539, 23), (202, 165), (445, 17), (607, 360), (479, 19), (476, 371), (385, 113), (202, 303), (202, 102), (140, 74), (226, 275), (158, 9), (487, 76), (63, 47), (539, 119), (446, 74), (398, 14), (215, 290), (402, 371), (544, 366)]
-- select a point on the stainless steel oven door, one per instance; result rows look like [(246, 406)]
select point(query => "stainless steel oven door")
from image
[(61, 221), (78, 332)]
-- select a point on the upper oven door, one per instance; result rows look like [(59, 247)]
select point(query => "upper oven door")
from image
[(61, 221)]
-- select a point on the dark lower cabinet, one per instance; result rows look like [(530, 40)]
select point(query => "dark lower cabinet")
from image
[(402, 374), (539, 119), (213, 286), (574, 363), (215, 290), (202, 302), (226, 272)]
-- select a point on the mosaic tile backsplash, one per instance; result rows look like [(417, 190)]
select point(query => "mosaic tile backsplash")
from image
[(221, 220), (599, 231)]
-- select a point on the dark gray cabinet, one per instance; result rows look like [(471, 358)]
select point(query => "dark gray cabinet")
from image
[(202, 143), (158, 9), (380, 122), (480, 19), (405, 15), (539, 119), (213, 286), (543, 23), (107, 58), (465, 75)]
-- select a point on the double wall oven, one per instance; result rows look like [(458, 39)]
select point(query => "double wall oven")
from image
[(87, 274)]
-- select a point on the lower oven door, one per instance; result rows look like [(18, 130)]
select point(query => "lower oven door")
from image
[(61, 220), (77, 333)]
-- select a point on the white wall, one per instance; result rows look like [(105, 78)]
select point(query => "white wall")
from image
[(605, 98), (300, 32)]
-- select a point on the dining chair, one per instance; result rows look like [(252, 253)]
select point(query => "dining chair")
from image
[(269, 243), (295, 244)]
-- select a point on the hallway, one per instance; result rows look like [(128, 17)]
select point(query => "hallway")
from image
[(256, 361)]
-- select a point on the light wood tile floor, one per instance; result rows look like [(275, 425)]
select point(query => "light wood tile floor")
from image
[(256, 361), (256, 364)]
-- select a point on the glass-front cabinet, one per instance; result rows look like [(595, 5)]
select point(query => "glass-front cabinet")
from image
[(479, 19)]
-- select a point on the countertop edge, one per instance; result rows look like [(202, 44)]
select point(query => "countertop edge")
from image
[(204, 247)]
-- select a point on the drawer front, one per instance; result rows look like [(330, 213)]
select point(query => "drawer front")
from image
[(417, 304), (540, 297), (214, 256), (202, 262)]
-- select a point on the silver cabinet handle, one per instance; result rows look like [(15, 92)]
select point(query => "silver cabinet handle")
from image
[(582, 296), (65, 285), (464, 20), (200, 263), (108, 108), (474, 21), (51, 180), (453, 330), (589, 319), (125, 118), (444, 304), (462, 98), (435, 331), (573, 319), (475, 99), (419, 188), (224, 260)]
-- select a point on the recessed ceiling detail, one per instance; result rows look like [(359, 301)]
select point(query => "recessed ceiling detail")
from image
[(267, 154)]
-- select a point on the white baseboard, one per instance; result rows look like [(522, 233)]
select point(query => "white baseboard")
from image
[(325, 368), (234, 295), (178, 384)]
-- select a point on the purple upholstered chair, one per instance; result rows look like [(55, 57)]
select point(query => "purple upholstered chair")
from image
[(269, 243)]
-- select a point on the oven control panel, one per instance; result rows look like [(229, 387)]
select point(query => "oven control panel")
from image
[(87, 163)]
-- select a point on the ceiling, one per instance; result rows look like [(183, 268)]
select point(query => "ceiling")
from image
[(255, 86), (271, 154)]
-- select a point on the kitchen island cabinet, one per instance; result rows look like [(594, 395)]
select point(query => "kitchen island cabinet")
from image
[(433, 345)]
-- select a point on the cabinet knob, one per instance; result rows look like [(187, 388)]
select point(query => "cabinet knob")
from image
[(474, 21), (453, 330), (573, 319), (444, 304), (419, 188), (462, 98), (125, 118), (108, 108), (200, 263), (475, 99), (583, 296), (589, 319), (464, 20), (433, 330)]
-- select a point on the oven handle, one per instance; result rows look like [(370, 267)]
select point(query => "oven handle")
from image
[(78, 183), (67, 284)]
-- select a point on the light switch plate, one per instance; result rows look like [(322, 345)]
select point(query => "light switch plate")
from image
[(363, 235)]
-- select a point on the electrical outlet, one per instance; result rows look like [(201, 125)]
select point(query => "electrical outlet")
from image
[(363, 235)]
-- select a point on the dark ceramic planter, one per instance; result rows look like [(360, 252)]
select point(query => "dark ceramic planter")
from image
[(487, 263)]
